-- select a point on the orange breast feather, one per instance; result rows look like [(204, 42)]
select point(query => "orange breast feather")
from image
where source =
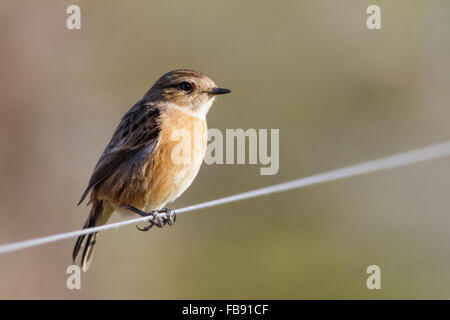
[(177, 159)]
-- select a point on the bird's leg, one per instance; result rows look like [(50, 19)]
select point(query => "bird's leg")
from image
[(155, 221), (169, 217)]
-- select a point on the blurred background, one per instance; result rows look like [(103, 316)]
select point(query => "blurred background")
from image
[(339, 93)]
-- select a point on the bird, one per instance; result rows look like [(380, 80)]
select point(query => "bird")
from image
[(140, 171)]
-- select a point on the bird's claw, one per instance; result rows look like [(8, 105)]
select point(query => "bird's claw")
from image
[(170, 216), (158, 220)]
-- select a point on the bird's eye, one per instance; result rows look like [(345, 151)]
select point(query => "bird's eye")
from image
[(185, 86)]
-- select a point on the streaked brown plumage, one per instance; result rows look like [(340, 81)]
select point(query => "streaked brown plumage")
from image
[(137, 169)]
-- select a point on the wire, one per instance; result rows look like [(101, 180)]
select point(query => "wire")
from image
[(427, 153)]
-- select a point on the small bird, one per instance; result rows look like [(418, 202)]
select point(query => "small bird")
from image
[(137, 172)]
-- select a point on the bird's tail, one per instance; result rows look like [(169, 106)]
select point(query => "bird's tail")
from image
[(98, 216)]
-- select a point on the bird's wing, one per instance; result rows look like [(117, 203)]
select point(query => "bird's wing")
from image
[(137, 130)]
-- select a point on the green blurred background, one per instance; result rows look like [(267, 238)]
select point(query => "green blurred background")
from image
[(339, 93)]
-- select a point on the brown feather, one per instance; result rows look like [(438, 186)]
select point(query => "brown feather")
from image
[(138, 129)]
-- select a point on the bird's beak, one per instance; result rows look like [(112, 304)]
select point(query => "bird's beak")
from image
[(218, 90)]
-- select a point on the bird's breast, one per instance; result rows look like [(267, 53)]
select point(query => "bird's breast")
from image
[(177, 158)]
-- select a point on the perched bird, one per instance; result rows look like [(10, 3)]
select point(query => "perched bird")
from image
[(139, 171)]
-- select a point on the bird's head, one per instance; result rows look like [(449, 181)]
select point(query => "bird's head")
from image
[(188, 90)]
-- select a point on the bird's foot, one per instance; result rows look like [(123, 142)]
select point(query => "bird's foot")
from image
[(156, 221), (159, 217)]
